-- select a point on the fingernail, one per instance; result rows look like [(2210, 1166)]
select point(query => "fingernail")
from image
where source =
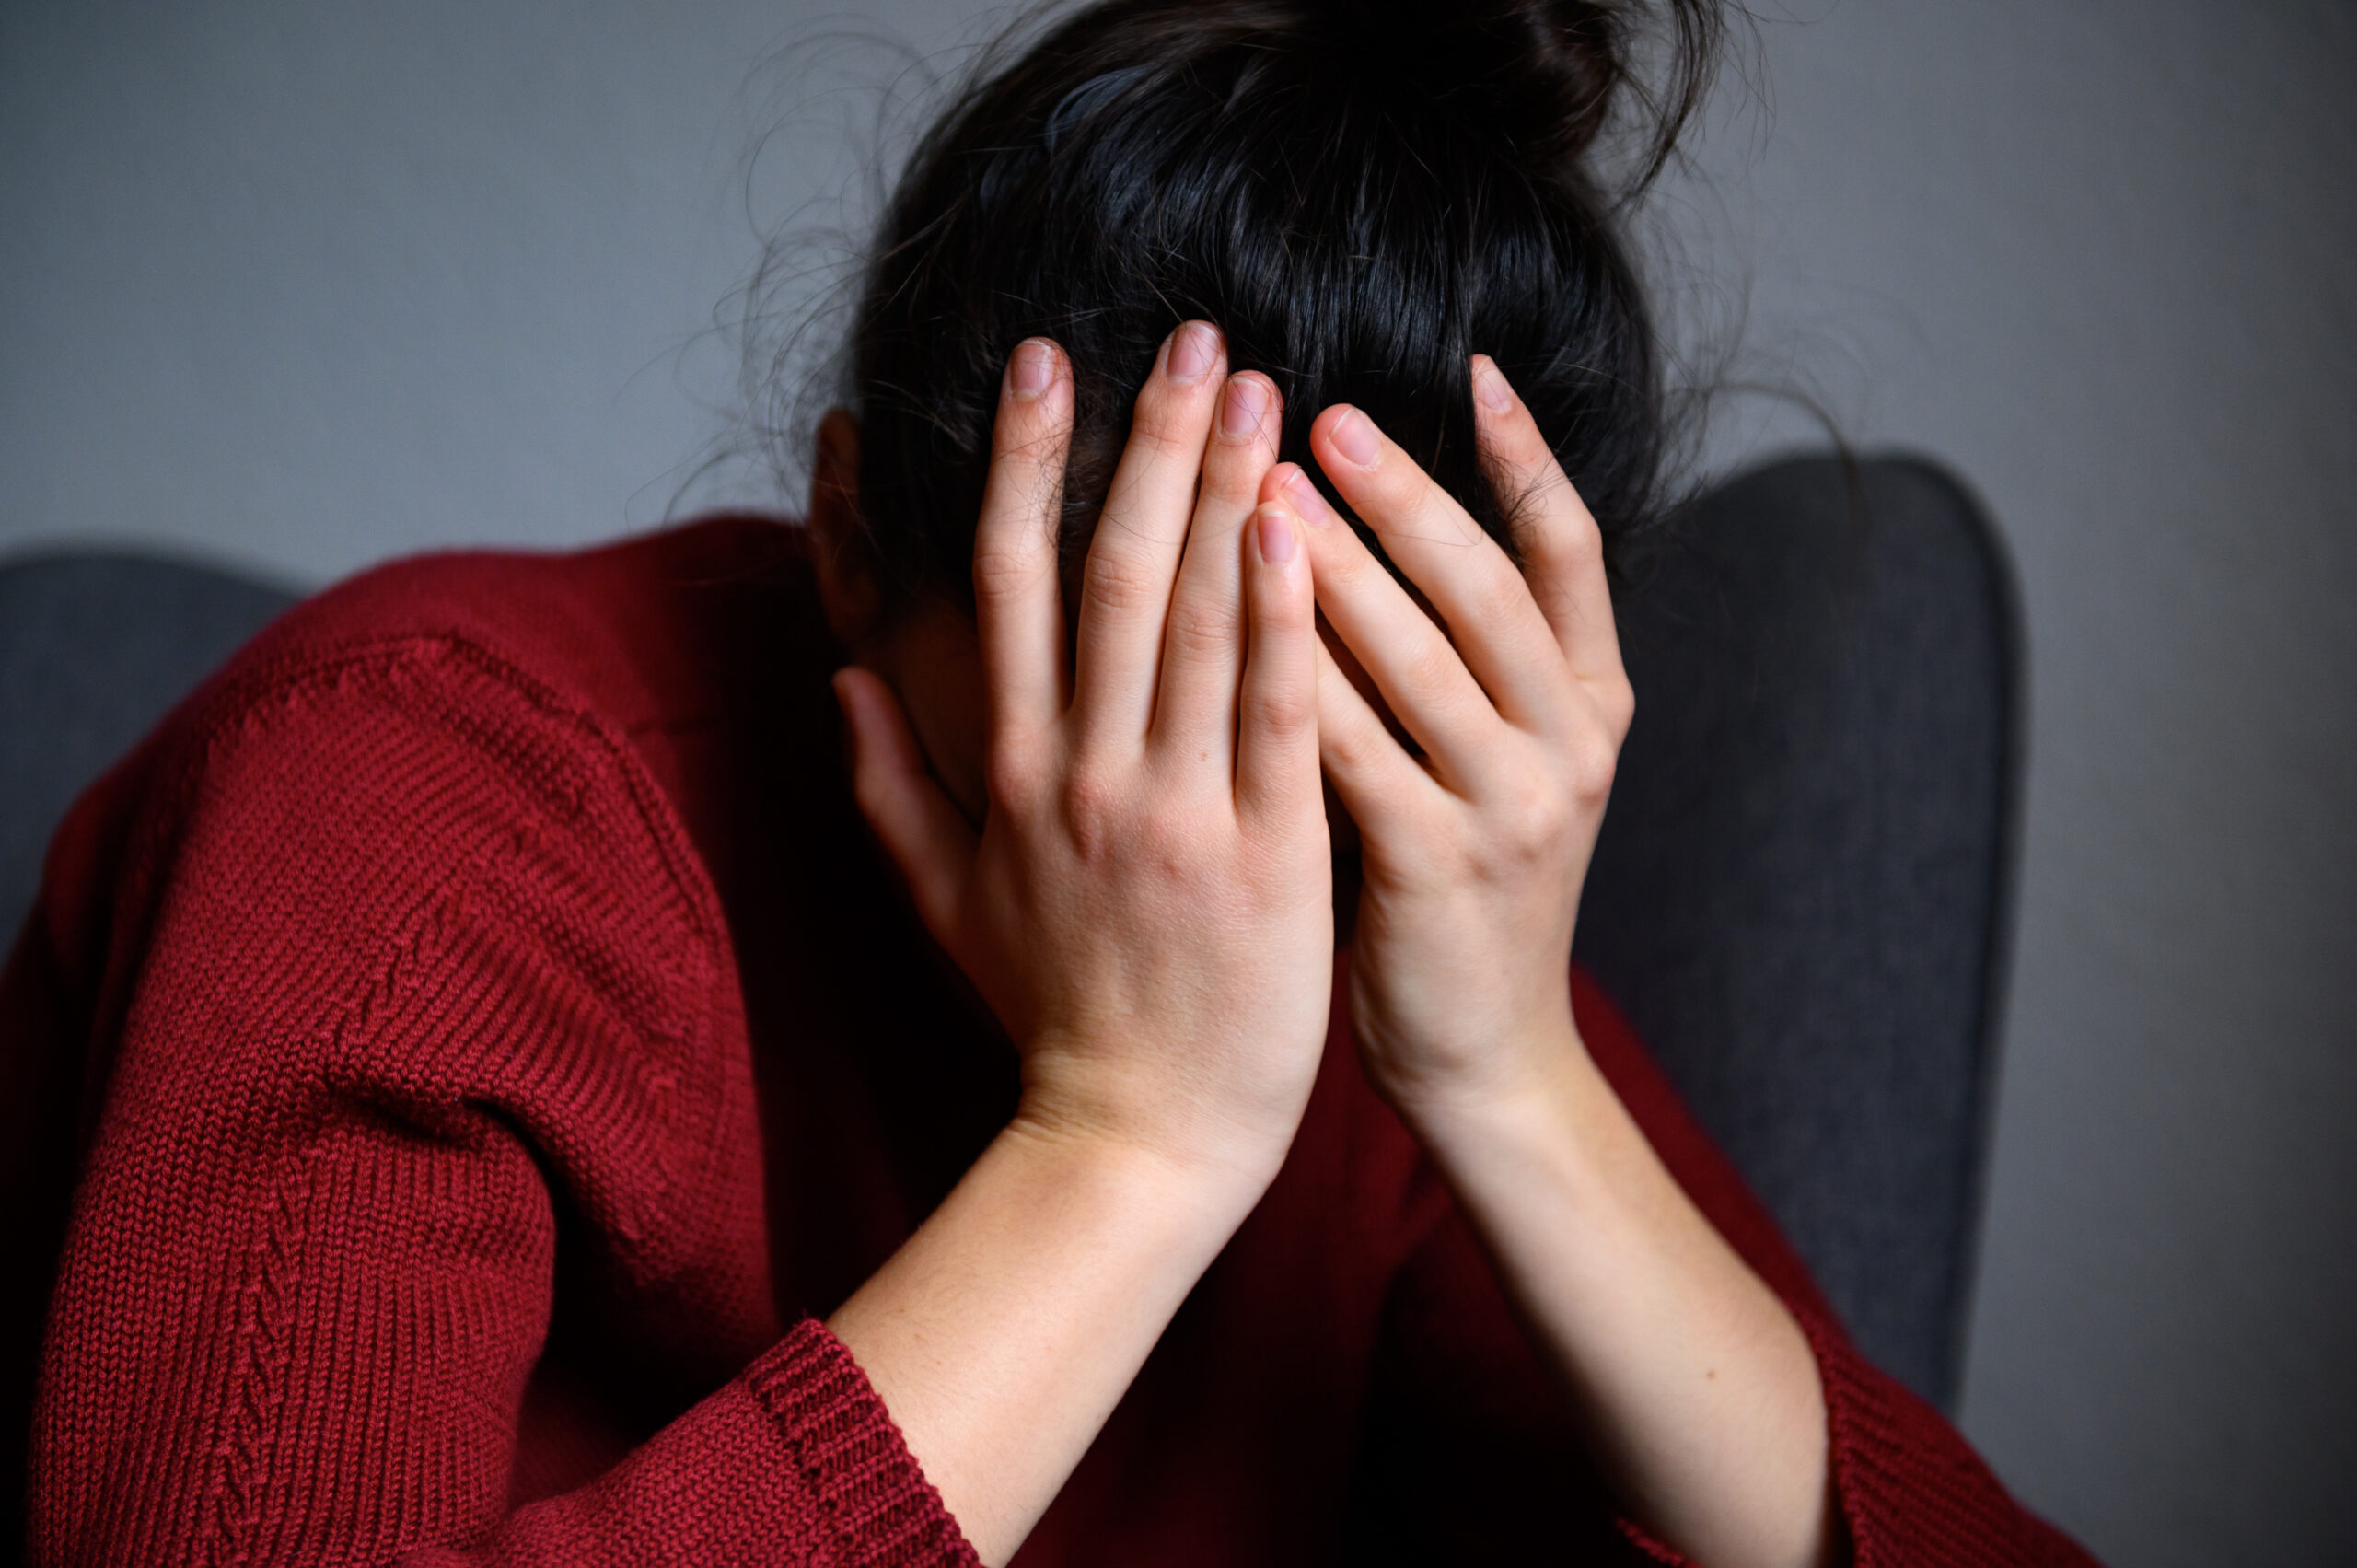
[(1306, 499), (1276, 535), (1245, 405), (1489, 385), (1033, 366), (1354, 437), (1192, 349)]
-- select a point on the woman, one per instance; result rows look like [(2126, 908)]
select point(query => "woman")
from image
[(499, 1045)]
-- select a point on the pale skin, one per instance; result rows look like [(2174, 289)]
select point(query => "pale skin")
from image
[(1117, 830)]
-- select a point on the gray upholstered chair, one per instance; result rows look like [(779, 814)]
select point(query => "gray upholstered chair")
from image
[(94, 649), (1801, 895)]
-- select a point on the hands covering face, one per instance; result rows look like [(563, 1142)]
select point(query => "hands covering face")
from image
[(1475, 851), (1147, 904), (1148, 907)]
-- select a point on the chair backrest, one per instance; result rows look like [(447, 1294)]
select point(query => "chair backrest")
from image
[(1802, 896), (94, 649)]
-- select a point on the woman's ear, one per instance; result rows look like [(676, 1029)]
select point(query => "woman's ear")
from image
[(846, 567)]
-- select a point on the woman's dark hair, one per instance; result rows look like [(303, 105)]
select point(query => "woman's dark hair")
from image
[(1361, 195)]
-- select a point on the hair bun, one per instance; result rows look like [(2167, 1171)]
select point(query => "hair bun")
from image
[(1555, 71)]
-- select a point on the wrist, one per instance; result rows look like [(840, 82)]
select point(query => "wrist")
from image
[(1547, 1132), (1213, 1138), (1002, 1334), (1516, 1084), (1151, 1170)]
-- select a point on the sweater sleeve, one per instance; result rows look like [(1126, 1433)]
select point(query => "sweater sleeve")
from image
[(407, 998), (1459, 1370)]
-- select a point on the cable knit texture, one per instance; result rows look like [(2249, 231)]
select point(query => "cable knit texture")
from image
[(456, 1058)]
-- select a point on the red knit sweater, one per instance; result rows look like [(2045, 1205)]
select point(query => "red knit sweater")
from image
[(456, 1057)]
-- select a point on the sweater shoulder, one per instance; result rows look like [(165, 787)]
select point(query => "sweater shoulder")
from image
[(400, 854), (611, 630), (434, 730), (507, 684), (403, 697)]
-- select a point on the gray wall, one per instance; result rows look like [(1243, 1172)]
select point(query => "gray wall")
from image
[(2100, 258), (303, 286)]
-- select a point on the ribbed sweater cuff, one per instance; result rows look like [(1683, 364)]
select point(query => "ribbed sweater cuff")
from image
[(864, 1484), (1912, 1490), (1908, 1489), (1883, 1468)]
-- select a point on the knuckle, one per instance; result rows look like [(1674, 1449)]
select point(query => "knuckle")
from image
[(1499, 596), (1572, 544), (1424, 511), (1523, 444), (1232, 476), (1168, 842), (1537, 815), (1356, 747), (1026, 436), (1618, 702), (1165, 439), (1355, 567), (1091, 804), (1285, 713), (1116, 584), (1200, 631), (1167, 423), (1428, 669), (1003, 568), (1340, 567), (1593, 761), (1011, 775)]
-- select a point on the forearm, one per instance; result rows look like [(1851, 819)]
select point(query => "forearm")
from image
[(1700, 1392), (1003, 1332)]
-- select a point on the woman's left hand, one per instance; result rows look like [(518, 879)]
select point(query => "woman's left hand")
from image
[(1474, 855), (1698, 1391)]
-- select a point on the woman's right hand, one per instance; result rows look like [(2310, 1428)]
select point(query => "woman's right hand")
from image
[(1147, 906)]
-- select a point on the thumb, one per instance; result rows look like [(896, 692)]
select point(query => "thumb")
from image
[(921, 829)]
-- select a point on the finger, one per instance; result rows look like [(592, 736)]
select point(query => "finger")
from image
[(1470, 580), (918, 825), (1276, 759), (1373, 773), (1430, 691), (1563, 549), (1017, 607), (1203, 644), (1125, 589)]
